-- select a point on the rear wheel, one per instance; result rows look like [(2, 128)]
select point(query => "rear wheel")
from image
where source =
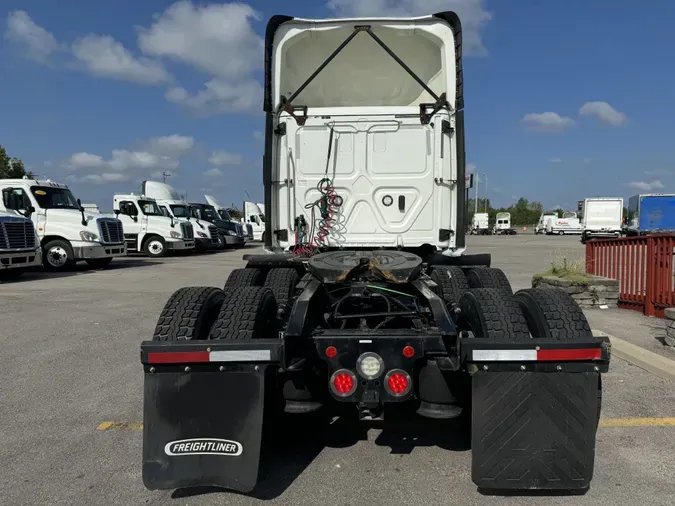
[(245, 277), (554, 314), (489, 313), (452, 283), (189, 314), (246, 313), (283, 283), (488, 277)]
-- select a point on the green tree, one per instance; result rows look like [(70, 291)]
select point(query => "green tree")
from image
[(12, 168)]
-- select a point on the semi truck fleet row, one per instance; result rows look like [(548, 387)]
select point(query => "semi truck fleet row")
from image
[(43, 224)]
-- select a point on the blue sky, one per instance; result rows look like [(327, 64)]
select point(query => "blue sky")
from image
[(563, 101)]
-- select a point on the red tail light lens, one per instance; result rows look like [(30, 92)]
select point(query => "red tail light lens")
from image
[(343, 383), (398, 383), (331, 352), (408, 352)]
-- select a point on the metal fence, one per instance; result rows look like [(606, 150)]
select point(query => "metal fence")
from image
[(644, 267)]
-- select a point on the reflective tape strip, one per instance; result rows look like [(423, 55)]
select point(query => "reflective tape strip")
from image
[(577, 354), (241, 356), (503, 355)]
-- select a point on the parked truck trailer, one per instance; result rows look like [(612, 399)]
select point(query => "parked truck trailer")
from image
[(652, 213), (366, 301), (602, 217)]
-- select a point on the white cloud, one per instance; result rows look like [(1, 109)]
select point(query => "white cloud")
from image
[(170, 145), (103, 56), (547, 122), (35, 42), (472, 14), (225, 158), (219, 96), (258, 135), (470, 168), (604, 112), (646, 185), (159, 154), (218, 40), (555, 160), (214, 172)]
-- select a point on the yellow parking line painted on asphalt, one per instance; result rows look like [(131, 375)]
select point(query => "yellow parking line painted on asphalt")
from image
[(120, 426), (604, 422), (637, 422)]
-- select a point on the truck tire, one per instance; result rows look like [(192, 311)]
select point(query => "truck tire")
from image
[(246, 313), (282, 282), (154, 246), (240, 278), (57, 255), (554, 314), (452, 283), (489, 313), (489, 277), (189, 314), (98, 263)]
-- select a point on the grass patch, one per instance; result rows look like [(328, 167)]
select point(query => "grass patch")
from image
[(569, 270)]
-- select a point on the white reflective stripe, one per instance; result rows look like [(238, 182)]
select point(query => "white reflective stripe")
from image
[(240, 356), (504, 355)]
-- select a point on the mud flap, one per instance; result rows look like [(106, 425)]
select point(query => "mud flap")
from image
[(534, 412), (533, 430), (204, 426)]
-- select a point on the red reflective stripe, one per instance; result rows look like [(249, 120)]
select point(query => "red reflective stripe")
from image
[(581, 354), (178, 357)]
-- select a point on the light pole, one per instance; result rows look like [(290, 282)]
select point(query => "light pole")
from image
[(486, 191)]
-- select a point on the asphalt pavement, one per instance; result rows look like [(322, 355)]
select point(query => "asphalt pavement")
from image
[(70, 363)]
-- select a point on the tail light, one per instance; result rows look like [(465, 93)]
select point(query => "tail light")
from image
[(397, 382), (343, 383)]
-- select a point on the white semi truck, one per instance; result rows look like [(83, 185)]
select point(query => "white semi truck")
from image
[(254, 217), (66, 231), (19, 244), (172, 206), (368, 305), (540, 228), (480, 224), (602, 217), (503, 224), (147, 230), (225, 215)]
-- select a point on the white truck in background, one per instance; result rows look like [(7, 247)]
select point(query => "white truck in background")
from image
[(147, 230), (480, 224), (602, 217), (568, 224), (172, 206), (540, 228), (224, 214), (254, 217), (19, 244), (503, 224), (66, 231)]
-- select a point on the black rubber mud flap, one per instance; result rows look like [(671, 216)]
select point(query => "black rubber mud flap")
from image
[(533, 430), (203, 428)]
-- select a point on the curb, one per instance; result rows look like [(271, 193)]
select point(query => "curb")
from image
[(649, 361)]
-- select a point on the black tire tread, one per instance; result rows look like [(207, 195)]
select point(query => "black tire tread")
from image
[(489, 277), (492, 314), (282, 281), (245, 314), (559, 315), (188, 314), (239, 278), (451, 281)]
